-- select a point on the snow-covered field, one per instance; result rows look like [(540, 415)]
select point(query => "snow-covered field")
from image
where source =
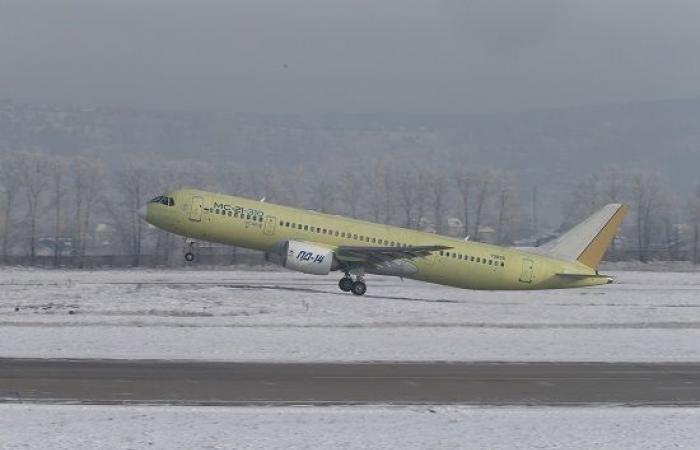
[(120, 427), (248, 315)]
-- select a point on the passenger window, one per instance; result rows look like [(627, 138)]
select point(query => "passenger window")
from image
[(478, 259), (441, 253), (354, 236), (306, 228)]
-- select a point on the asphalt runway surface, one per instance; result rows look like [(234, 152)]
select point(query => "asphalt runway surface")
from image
[(222, 383)]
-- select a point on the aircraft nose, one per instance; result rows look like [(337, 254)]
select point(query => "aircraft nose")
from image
[(142, 212)]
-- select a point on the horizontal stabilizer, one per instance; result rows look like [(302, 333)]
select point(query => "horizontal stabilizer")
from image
[(588, 241)]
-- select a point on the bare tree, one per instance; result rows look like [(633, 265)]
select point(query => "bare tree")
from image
[(422, 195), (437, 185), (34, 168), (133, 185), (57, 169), (483, 186), (407, 196), (649, 200), (375, 200), (465, 179), (694, 213), (388, 193), (613, 181), (506, 208), (351, 190), (324, 195), (87, 176), (10, 185)]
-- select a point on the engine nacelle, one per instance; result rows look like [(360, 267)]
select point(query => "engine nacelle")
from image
[(303, 257)]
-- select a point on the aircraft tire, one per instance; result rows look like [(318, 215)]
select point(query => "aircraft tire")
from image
[(359, 288), (345, 284), (189, 256)]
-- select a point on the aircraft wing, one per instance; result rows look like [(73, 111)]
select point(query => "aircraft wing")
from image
[(381, 254)]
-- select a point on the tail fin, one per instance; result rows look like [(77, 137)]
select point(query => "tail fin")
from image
[(588, 241)]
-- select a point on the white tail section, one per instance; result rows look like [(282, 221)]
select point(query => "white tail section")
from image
[(588, 241)]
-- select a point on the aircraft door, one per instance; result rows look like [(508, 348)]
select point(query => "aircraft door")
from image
[(196, 209), (269, 225), (526, 274)]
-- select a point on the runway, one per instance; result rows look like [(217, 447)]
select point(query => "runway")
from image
[(223, 383)]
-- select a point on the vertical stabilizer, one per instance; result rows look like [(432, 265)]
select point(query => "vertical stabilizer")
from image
[(588, 241)]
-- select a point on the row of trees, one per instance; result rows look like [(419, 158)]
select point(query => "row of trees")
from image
[(84, 207), (660, 224)]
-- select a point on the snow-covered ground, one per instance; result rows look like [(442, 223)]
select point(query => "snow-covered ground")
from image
[(248, 315), (134, 427)]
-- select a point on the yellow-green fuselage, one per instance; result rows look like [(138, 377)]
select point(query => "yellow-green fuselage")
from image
[(259, 225)]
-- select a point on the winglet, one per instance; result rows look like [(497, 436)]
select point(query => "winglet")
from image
[(588, 241)]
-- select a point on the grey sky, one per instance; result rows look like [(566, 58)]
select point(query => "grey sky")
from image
[(415, 56)]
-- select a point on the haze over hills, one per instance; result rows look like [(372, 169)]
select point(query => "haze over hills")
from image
[(547, 146)]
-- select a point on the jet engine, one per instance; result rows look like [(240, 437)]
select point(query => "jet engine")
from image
[(303, 257)]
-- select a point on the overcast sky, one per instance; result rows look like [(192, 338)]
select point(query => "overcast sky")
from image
[(413, 56)]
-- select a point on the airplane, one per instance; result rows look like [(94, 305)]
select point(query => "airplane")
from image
[(317, 243)]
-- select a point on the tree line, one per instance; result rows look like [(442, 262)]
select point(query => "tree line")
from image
[(66, 210)]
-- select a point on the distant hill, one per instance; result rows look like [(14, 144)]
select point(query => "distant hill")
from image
[(545, 146)]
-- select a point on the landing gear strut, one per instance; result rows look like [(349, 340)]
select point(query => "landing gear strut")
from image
[(357, 287)]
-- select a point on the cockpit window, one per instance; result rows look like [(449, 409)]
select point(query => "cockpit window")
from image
[(163, 200)]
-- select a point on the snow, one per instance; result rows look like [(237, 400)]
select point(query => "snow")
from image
[(134, 427), (286, 316)]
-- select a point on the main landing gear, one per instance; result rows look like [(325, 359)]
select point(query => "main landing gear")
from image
[(357, 287)]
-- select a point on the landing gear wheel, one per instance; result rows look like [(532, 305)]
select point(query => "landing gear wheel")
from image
[(189, 256), (359, 288), (345, 284)]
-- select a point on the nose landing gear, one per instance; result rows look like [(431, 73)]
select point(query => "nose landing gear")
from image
[(189, 250)]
